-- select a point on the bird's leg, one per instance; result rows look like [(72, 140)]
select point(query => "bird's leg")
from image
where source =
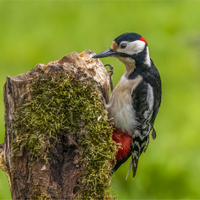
[(110, 75)]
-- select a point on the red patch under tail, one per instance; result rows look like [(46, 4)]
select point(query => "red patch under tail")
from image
[(123, 140)]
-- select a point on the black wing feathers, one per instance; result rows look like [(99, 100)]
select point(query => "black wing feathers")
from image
[(146, 98)]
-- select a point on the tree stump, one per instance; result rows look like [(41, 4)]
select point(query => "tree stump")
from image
[(58, 138)]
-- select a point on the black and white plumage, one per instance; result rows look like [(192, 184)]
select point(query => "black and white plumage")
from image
[(135, 101)]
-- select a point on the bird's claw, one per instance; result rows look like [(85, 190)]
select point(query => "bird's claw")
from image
[(110, 75), (111, 69)]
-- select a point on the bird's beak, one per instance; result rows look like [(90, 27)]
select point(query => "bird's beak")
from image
[(106, 53)]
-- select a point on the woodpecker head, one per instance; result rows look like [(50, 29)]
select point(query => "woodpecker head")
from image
[(130, 48)]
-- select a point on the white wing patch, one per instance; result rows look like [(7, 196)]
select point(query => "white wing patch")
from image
[(150, 97), (147, 59), (150, 102)]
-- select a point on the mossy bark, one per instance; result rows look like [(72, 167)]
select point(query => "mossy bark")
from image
[(58, 139)]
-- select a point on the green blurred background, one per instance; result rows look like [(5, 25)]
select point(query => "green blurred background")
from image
[(34, 32)]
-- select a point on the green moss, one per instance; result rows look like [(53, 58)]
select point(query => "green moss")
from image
[(60, 104)]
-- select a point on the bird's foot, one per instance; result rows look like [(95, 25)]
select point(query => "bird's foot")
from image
[(110, 75)]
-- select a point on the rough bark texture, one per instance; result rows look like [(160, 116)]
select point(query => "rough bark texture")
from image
[(58, 178)]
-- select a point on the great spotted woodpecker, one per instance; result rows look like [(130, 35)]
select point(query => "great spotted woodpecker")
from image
[(135, 101)]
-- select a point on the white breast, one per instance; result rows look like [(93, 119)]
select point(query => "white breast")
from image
[(120, 105)]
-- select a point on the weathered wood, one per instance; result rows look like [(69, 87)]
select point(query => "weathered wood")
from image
[(60, 177)]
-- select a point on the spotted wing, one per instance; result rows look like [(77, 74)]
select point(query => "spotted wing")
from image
[(144, 102)]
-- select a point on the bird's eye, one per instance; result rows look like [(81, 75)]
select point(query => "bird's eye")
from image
[(123, 45)]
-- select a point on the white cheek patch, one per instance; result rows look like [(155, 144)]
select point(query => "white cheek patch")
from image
[(133, 47)]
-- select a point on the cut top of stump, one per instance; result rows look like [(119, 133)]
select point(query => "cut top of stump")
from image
[(73, 62)]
